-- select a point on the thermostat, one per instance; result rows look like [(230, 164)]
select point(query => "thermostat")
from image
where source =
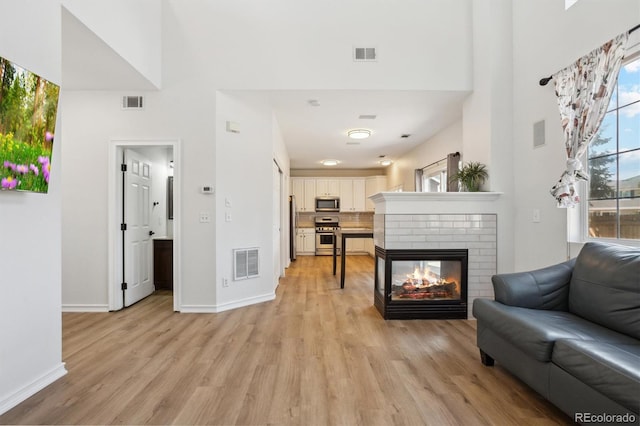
[(206, 189)]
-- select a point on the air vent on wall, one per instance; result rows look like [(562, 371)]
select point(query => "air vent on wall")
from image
[(367, 117), (245, 263), (132, 102), (364, 54), (538, 134)]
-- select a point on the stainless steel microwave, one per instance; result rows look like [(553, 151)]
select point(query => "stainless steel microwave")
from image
[(327, 204)]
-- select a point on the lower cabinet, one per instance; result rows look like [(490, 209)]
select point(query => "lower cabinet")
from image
[(354, 245), (163, 264), (306, 241)]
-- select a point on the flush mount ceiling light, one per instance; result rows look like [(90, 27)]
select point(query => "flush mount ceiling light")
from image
[(385, 163), (359, 133), (329, 162)]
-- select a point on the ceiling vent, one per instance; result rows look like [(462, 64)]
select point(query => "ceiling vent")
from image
[(132, 102), (364, 54), (367, 117)]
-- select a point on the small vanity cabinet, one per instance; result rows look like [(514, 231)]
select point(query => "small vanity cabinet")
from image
[(163, 263)]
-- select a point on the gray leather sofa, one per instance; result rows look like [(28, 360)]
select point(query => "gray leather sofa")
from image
[(571, 331)]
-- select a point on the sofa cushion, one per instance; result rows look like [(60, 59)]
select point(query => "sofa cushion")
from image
[(605, 287), (535, 331), (611, 369)]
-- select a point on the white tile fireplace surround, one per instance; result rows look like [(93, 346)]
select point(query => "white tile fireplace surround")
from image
[(453, 220)]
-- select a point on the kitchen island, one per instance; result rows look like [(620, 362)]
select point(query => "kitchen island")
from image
[(343, 234)]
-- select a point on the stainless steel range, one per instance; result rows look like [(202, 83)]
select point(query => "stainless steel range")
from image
[(325, 234)]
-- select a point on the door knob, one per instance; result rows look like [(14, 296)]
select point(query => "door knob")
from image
[(151, 233)]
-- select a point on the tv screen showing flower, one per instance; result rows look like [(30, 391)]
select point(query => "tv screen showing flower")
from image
[(28, 109)]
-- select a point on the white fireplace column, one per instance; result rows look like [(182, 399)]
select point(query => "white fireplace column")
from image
[(410, 220)]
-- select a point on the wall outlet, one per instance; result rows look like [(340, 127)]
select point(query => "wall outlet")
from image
[(225, 282), (205, 217)]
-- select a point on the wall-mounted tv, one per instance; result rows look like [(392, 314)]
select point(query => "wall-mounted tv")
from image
[(28, 109)]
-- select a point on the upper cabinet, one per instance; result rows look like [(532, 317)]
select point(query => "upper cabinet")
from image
[(353, 192), (327, 187), (352, 195), (304, 189)]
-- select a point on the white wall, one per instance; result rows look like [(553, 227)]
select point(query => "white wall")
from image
[(285, 44), (244, 181), (131, 27), (30, 318), (539, 51), (401, 172)]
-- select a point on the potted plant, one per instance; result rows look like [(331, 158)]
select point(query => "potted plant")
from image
[(471, 176)]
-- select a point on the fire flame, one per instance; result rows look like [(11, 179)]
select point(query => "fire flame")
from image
[(426, 276)]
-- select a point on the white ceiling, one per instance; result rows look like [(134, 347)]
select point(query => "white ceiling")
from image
[(311, 133)]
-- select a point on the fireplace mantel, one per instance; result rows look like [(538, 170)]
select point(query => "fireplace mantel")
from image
[(435, 202)]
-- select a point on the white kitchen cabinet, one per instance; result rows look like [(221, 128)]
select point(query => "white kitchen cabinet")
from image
[(373, 185), (327, 187), (359, 195), (352, 195), (304, 189), (355, 245), (305, 241)]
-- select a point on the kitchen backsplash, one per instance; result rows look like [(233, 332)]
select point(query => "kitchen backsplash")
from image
[(347, 220)]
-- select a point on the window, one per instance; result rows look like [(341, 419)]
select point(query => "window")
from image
[(613, 161), (434, 177), (435, 181)]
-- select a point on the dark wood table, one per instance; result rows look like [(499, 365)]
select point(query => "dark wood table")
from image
[(343, 235)]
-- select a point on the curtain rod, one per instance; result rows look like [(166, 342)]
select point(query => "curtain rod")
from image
[(544, 81), (436, 162)]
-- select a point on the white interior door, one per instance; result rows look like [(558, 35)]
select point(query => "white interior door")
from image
[(137, 237)]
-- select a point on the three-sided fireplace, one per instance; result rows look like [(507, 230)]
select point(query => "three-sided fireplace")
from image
[(421, 284)]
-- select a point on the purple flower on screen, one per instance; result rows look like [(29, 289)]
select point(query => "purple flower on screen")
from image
[(9, 183), (46, 169)]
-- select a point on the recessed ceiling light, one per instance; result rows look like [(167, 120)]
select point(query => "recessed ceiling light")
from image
[(329, 162), (359, 133), (385, 163)]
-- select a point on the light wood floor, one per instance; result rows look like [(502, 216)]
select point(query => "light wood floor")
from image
[(317, 355)]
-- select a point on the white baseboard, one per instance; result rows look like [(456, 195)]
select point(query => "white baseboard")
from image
[(68, 307), (213, 309), (32, 388)]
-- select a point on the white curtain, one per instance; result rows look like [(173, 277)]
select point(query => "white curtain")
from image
[(584, 90)]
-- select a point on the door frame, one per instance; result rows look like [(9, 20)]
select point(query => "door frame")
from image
[(114, 233), (283, 219)]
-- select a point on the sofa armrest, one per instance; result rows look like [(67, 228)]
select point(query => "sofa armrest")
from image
[(546, 288)]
